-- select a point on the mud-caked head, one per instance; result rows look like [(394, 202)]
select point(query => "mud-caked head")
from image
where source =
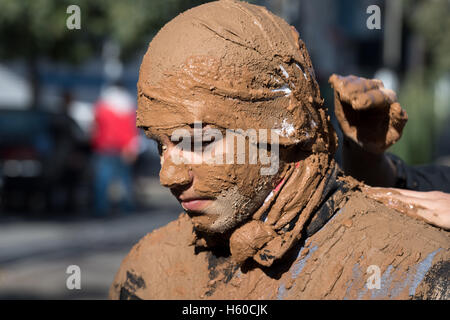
[(220, 73)]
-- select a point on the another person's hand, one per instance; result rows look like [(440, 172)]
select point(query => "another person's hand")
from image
[(129, 156), (433, 207), (131, 151), (368, 113)]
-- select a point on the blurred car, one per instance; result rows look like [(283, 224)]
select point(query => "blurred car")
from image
[(41, 160)]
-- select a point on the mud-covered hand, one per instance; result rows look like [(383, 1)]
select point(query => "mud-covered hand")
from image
[(433, 207), (368, 113)]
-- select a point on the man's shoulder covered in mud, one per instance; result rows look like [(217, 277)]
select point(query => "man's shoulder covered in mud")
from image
[(409, 257), (156, 257)]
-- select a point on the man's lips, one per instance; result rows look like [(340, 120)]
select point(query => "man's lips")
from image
[(195, 204)]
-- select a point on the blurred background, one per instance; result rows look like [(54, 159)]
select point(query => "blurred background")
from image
[(79, 184)]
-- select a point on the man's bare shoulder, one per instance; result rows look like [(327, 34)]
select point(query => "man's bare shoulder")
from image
[(153, 257)]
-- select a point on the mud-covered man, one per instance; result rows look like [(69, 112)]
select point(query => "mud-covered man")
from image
[(301, 231)]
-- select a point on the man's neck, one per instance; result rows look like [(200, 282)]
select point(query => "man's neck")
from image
[(261, 239)]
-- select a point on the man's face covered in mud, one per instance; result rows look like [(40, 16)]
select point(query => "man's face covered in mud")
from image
[(228, 91)]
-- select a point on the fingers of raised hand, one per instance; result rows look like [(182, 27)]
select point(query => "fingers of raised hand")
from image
[(372, 99), (350, 86)]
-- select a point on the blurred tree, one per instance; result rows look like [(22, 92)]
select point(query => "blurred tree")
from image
[(35, 29), (416, 144), (431, 20), (428, 23)]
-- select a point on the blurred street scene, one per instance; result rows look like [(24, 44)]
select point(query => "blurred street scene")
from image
[(35, 253), (79, 183)]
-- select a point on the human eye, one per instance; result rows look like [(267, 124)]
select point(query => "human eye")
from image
[(199, 144), (208, 138)]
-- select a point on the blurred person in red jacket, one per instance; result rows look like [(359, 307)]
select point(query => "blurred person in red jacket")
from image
[(115, 143)]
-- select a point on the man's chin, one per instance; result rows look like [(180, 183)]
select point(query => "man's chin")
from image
[(210, 223)]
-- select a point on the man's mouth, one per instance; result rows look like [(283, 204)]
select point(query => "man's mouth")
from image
[(195, 204)]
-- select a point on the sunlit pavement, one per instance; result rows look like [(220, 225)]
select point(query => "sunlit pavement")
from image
[(34, 256)]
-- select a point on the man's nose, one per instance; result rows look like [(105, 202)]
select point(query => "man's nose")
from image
[(174, 175)]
